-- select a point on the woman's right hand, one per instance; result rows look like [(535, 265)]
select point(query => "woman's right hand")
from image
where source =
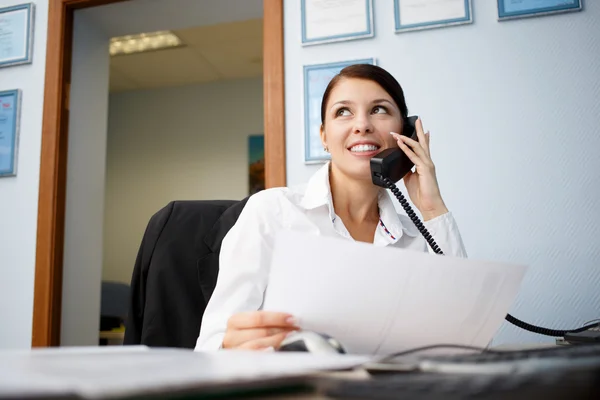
[(256, 330)]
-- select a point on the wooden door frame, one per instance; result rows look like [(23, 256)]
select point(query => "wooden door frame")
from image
[(53, 163)]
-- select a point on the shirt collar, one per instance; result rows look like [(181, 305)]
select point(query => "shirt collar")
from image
[(318, 191), (318, 194)]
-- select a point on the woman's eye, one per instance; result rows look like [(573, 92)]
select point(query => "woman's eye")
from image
[(342, 112), (380, 110)]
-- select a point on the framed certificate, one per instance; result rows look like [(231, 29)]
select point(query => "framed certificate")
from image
[(316, 79), (511, 9), (325, 21), (411, 15), (10, 105), (16, 34)]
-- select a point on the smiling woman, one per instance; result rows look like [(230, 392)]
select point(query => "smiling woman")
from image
[(363, 111)]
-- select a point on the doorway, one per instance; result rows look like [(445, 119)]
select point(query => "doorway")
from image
[(55, 129)]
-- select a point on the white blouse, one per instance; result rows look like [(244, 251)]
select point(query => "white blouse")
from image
[(247, 248)]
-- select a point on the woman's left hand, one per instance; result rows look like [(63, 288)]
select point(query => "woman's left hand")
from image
[(422, 184)]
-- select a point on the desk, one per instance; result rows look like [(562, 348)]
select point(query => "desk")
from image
[(125, 372), (358, 374), (362, 375)]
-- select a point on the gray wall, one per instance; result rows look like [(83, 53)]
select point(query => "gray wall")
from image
[(82, 262), (190, 144), (513, 110)]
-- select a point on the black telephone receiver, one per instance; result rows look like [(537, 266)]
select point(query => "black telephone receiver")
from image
[(392, 162), (388, 167)]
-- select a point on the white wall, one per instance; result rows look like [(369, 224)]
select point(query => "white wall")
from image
[(173, 144), (19, 195), (513, 110), (84, 216)]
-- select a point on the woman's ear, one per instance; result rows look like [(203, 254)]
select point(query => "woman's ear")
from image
[(323, 138)]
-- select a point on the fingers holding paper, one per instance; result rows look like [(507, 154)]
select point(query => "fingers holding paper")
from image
[(256, 330)]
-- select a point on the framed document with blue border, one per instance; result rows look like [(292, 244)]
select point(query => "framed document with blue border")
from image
[(16, 34), (511, 9), (10, 111), (326, 21), (412, 15), (316, 79)]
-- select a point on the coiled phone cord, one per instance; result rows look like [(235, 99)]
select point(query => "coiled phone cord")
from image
[(515, 321)]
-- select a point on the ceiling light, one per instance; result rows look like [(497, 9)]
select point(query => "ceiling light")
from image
[(143, 42)]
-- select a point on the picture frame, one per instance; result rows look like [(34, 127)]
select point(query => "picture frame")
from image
[(10, 113), (16, 34), (431, 14), (536, 8), (324, 22), (316, 79)]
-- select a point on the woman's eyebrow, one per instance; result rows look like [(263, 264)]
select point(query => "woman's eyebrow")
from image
[(347, 102), (382, 101), (341, 102)]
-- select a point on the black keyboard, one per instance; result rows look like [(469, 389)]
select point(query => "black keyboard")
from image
[(553, 385), (498, 361), (493, 356), (559, 372)]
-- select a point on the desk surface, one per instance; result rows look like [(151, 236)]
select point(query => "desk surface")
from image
[(357, 374), (138, 370), (135, 371)]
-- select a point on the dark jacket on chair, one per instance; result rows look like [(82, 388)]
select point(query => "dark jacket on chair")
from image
[(176, 271)]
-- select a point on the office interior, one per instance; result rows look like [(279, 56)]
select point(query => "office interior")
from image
[(181, 120), (187, 119), (512, 107)]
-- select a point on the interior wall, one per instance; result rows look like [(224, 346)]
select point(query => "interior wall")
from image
[(180, 143), (513, 109), (19, 194), (84, 211)]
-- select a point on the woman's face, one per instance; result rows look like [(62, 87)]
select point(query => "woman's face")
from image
[(359, 116)]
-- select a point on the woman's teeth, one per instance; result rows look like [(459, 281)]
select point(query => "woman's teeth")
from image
[(363, 147)]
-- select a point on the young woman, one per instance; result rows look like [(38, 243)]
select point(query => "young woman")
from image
[(362, 113)]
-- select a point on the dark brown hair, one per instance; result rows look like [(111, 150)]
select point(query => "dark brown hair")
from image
[(372, 73)]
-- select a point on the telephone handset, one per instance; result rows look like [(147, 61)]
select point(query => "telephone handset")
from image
[(392, 162), (391, 165)]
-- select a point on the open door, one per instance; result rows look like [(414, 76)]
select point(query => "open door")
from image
[(54, 151)]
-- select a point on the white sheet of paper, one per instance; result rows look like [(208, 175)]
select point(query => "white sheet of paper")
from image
[(421, 11), (381, 300), (327, 18), (105, 373)]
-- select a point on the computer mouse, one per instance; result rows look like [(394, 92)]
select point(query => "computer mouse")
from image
[(312, 342)]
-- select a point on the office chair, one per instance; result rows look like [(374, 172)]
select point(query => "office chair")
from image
[(176, 271)]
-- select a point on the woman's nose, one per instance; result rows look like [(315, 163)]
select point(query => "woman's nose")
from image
[(363, 125)]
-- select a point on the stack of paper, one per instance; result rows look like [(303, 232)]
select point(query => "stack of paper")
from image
[(124, 372), (382, 300)]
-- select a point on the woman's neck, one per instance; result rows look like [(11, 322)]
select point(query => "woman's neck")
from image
[(353, 200)]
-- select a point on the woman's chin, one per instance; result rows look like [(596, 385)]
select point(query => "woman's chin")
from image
[(358, 170)]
